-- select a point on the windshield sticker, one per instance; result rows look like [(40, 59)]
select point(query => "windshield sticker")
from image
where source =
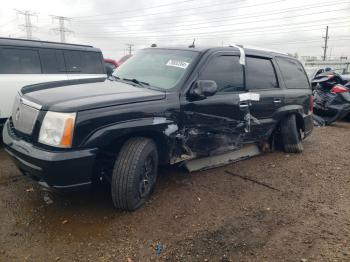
[(177, 63)]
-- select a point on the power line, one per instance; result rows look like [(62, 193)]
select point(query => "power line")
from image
[(63, 31), (159, 14), (134, 10), (325, 44), (28, 26), (9, 22), (233, 22), (236, 17), (250, 30)]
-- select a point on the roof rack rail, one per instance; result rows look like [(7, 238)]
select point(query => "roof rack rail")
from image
[(40, 41)]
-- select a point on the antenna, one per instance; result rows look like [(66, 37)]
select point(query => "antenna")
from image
[(192, 45)]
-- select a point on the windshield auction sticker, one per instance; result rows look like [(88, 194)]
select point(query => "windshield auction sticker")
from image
[(177, 63)]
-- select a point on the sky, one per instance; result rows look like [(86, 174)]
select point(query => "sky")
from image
[(288, 26)]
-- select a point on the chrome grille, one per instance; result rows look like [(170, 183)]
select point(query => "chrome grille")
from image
[(24, 115)]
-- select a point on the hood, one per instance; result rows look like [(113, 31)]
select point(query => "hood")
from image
[(72, 96)]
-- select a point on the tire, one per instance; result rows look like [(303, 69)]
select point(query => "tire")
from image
[(291, 137), (134, 173)]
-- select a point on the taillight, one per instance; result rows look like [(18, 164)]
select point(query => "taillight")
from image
[(311, 103), (339, 89)]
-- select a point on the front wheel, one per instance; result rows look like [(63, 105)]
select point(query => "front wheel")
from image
[(291, 136), (134, 173)]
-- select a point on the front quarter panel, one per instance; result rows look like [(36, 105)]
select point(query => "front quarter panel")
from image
[(100, 127)]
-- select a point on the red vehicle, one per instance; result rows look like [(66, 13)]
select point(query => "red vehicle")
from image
[(114, 64)]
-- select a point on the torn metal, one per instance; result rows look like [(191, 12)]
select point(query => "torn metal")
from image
[(245, 152)]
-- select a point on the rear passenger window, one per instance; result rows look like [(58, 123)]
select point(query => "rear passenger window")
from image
[(226, 71), (293, 73), (52, 61), (260, 74), (83, 62), (73, 61), (19, 61), (92, 63)]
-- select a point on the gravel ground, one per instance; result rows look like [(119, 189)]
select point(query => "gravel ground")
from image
[(298, 210)]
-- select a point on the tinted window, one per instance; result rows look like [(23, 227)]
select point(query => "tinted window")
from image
[(73, 61), (19, 61), (92, 63), (52, 61), (260, 74), (226, 72), (292, 73), (83, 62), (162, 68)]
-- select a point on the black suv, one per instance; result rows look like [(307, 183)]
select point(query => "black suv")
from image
[(163, 106)]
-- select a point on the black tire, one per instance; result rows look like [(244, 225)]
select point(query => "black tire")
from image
[(134, 173), (291, 136)]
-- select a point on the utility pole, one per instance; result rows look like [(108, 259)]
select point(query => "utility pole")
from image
[(62, 27), (130, 48), (28, 26), (325, 44)]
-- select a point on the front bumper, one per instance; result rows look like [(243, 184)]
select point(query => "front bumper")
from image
[(68, 169)]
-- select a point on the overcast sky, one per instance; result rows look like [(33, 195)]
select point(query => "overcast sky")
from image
[(287, 26)]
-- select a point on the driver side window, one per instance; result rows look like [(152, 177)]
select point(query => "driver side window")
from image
[(226, 71)]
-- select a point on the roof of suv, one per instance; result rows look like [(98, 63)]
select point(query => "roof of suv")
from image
[(249, 50), (45, 44)]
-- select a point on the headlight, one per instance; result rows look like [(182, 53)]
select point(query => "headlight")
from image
[(57, 129)]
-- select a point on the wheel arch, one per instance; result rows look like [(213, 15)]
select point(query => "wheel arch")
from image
[(112, 137)]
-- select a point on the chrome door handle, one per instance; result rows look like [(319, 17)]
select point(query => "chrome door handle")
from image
[(277, 100), (243, 104)]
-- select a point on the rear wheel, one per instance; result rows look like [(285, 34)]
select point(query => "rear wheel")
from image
[(134, 173), (291, 136)]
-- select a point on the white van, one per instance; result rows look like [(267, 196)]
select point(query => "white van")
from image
[(26, 62)]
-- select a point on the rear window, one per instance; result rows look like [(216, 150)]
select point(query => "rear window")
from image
[(19, 61), (260, 74), (92, 63), (293, 73), (83, 62)]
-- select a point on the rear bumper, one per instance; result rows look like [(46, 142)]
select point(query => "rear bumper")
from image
[(71, 169)]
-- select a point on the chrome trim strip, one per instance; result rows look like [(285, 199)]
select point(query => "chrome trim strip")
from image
[(30, 103)]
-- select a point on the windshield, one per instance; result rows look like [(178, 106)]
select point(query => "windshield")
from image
[(157, 67)]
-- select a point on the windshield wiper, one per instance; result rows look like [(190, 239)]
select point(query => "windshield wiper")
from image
[(113, 77), (134, 80)]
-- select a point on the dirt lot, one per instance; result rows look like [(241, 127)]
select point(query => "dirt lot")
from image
[(204, 216)]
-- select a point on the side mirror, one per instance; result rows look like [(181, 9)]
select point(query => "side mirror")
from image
[(203, 88), (109, 70)]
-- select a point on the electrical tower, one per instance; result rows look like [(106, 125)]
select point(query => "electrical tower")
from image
[(62, 27), (130, 48), (28, 26), (325, 44)]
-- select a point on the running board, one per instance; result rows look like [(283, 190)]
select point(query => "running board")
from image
[(204, 163)]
